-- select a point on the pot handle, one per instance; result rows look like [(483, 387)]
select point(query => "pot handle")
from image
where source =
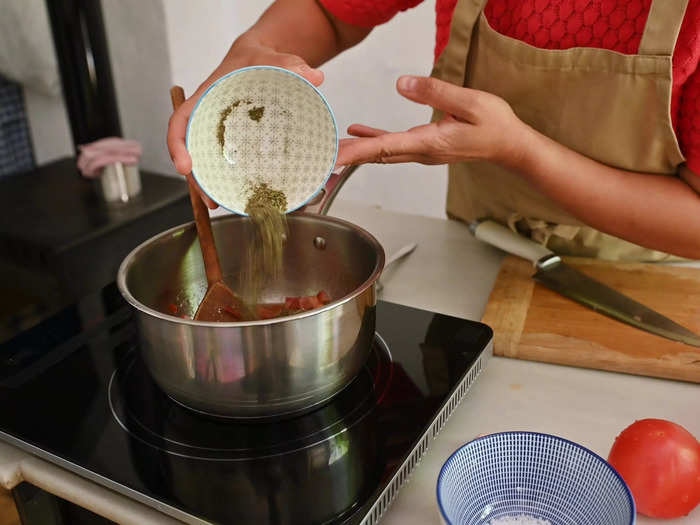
[(321, 203)]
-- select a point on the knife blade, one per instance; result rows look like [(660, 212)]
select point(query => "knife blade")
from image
[(558, 276)]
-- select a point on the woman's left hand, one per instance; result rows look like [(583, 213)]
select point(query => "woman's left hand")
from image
[(476, 126)]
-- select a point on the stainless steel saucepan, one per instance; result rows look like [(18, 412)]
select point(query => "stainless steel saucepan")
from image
[(261, 368)]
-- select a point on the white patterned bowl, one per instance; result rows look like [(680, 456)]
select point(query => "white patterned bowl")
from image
[(262, 124), (542, 477)]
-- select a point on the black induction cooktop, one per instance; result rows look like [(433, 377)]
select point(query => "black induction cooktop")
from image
[(74, 391)]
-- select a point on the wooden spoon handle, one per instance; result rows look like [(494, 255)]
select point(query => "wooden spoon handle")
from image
[(201, 213)]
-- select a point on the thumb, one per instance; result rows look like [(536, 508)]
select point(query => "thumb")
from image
[(297, 64), (451, 99), (315, 76), (177, 129)]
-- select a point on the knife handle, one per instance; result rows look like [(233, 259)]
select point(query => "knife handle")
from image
[(509, 241)]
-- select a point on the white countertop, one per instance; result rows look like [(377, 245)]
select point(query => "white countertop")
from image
[(451, 273)]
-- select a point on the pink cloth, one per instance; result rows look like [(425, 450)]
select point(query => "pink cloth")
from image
[(96, 155)]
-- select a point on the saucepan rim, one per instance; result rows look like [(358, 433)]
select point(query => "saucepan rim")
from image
[(130, 259)]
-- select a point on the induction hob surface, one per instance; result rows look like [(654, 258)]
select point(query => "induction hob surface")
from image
[(74, 391)]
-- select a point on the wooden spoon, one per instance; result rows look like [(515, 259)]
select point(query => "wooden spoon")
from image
[(219, 302)]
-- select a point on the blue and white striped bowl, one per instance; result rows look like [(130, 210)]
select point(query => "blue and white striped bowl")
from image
[(536, 475)]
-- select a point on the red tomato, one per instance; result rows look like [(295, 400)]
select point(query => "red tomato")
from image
[(660, 462), (269, 311), (310, 302), (292, 303), (173, 308), (323, 297)]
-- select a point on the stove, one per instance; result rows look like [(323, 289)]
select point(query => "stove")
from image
[(73, 390)]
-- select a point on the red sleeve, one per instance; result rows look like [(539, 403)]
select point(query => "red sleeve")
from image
[(686, 80), (686, 72), (689, 122), (367, 13)]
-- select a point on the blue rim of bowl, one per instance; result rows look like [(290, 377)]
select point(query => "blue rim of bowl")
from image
[(287, 71), (628, 492)]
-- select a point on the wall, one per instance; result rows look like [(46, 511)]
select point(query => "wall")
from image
[(359, 86), (48, 126), (27, 56), (140, 59)]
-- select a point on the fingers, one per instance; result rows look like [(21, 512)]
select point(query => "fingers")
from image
[(360, 130), (315, 76), (297, 64), (405, 159), (383, 148), (348, 154), (177, 127), (451, 99)]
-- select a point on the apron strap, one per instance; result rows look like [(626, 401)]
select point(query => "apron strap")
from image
[(451, 65), (662, 28)]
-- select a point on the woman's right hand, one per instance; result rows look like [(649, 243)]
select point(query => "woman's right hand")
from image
[(242, 54)]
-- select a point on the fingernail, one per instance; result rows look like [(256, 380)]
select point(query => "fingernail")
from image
[(408, 83)]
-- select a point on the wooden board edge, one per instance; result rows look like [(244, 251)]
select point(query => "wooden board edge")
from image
[(507, 307), (584, 355)]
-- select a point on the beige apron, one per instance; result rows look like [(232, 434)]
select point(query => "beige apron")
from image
[(611, 107)]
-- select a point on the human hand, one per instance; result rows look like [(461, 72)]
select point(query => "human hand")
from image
[(477, 126), (242, 54)]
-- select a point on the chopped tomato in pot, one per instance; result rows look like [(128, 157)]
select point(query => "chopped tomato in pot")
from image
[(310, 302), (269, 311), (306, 303), (291, 306), (292, 303)]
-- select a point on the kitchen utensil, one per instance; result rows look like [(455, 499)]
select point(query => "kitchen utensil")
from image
[(262, 124), (532, 322), (395, 257), (261, 368), (553, 273), (219, 296), (511, 474)]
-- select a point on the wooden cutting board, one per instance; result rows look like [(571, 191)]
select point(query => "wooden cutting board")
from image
[(531, 322)]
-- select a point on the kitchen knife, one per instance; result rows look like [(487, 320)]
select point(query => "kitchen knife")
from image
[(562, 278)]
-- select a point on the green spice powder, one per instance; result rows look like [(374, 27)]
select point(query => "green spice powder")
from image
[(256, 113), (264, 253), (221, 128)]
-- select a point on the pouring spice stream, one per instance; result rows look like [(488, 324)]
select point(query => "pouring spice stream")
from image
[(264, 258), (265, 250), (264, 261)]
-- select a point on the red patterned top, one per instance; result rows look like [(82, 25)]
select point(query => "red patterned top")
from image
[(561, 24)]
